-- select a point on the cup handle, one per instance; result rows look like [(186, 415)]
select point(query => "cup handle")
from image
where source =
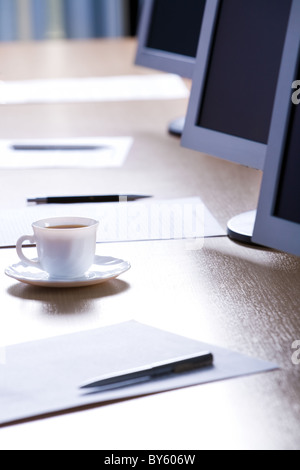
[(29, 262)]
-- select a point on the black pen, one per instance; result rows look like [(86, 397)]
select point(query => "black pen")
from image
[(86, 199), (158, 370)]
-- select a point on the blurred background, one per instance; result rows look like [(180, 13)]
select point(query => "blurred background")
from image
[(25, 20)]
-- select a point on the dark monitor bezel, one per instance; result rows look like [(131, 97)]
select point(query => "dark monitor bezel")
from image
[(270, 230), (228, 147), (160, 60)]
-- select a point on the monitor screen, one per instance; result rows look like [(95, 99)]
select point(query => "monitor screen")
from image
[(278, 215), (287, 205), (236, 78), (175, 26), (169, 35)]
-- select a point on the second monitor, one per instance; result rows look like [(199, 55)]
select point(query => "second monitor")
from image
[(235, 79), (234, 86)]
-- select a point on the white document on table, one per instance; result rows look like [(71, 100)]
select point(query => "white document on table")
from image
[(91, 152), (96, 89), (147, 220), (40, 378)]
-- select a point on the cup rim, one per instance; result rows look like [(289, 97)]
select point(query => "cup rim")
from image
[(44, 224)]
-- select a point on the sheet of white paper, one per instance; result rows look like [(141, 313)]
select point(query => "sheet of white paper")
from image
[(110, 152), (40, 377), (121, 88), (176, 219)]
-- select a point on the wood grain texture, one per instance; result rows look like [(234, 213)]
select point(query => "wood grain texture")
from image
[(245, 299)]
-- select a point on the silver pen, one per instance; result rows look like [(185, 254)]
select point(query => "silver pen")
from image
[(154, 371), (58, 147)]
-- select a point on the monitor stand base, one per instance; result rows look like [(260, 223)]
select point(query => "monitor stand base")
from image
[(176, 127), (241, 227)]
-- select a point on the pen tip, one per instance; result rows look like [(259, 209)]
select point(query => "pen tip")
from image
[(134, 197)]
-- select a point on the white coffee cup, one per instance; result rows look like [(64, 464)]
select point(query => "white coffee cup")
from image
[(66, 246)]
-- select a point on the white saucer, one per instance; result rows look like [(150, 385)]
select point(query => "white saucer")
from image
[(104, 269)]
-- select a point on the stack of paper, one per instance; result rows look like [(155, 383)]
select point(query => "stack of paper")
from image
[(92, 152), (178, 219), (45, 376), (73, 90)]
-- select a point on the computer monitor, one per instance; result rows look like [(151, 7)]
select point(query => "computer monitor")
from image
[(278, 215), (168, 39), (235, 79), (234, 85)]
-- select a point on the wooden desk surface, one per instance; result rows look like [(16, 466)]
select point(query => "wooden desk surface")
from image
[(245, 299)]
